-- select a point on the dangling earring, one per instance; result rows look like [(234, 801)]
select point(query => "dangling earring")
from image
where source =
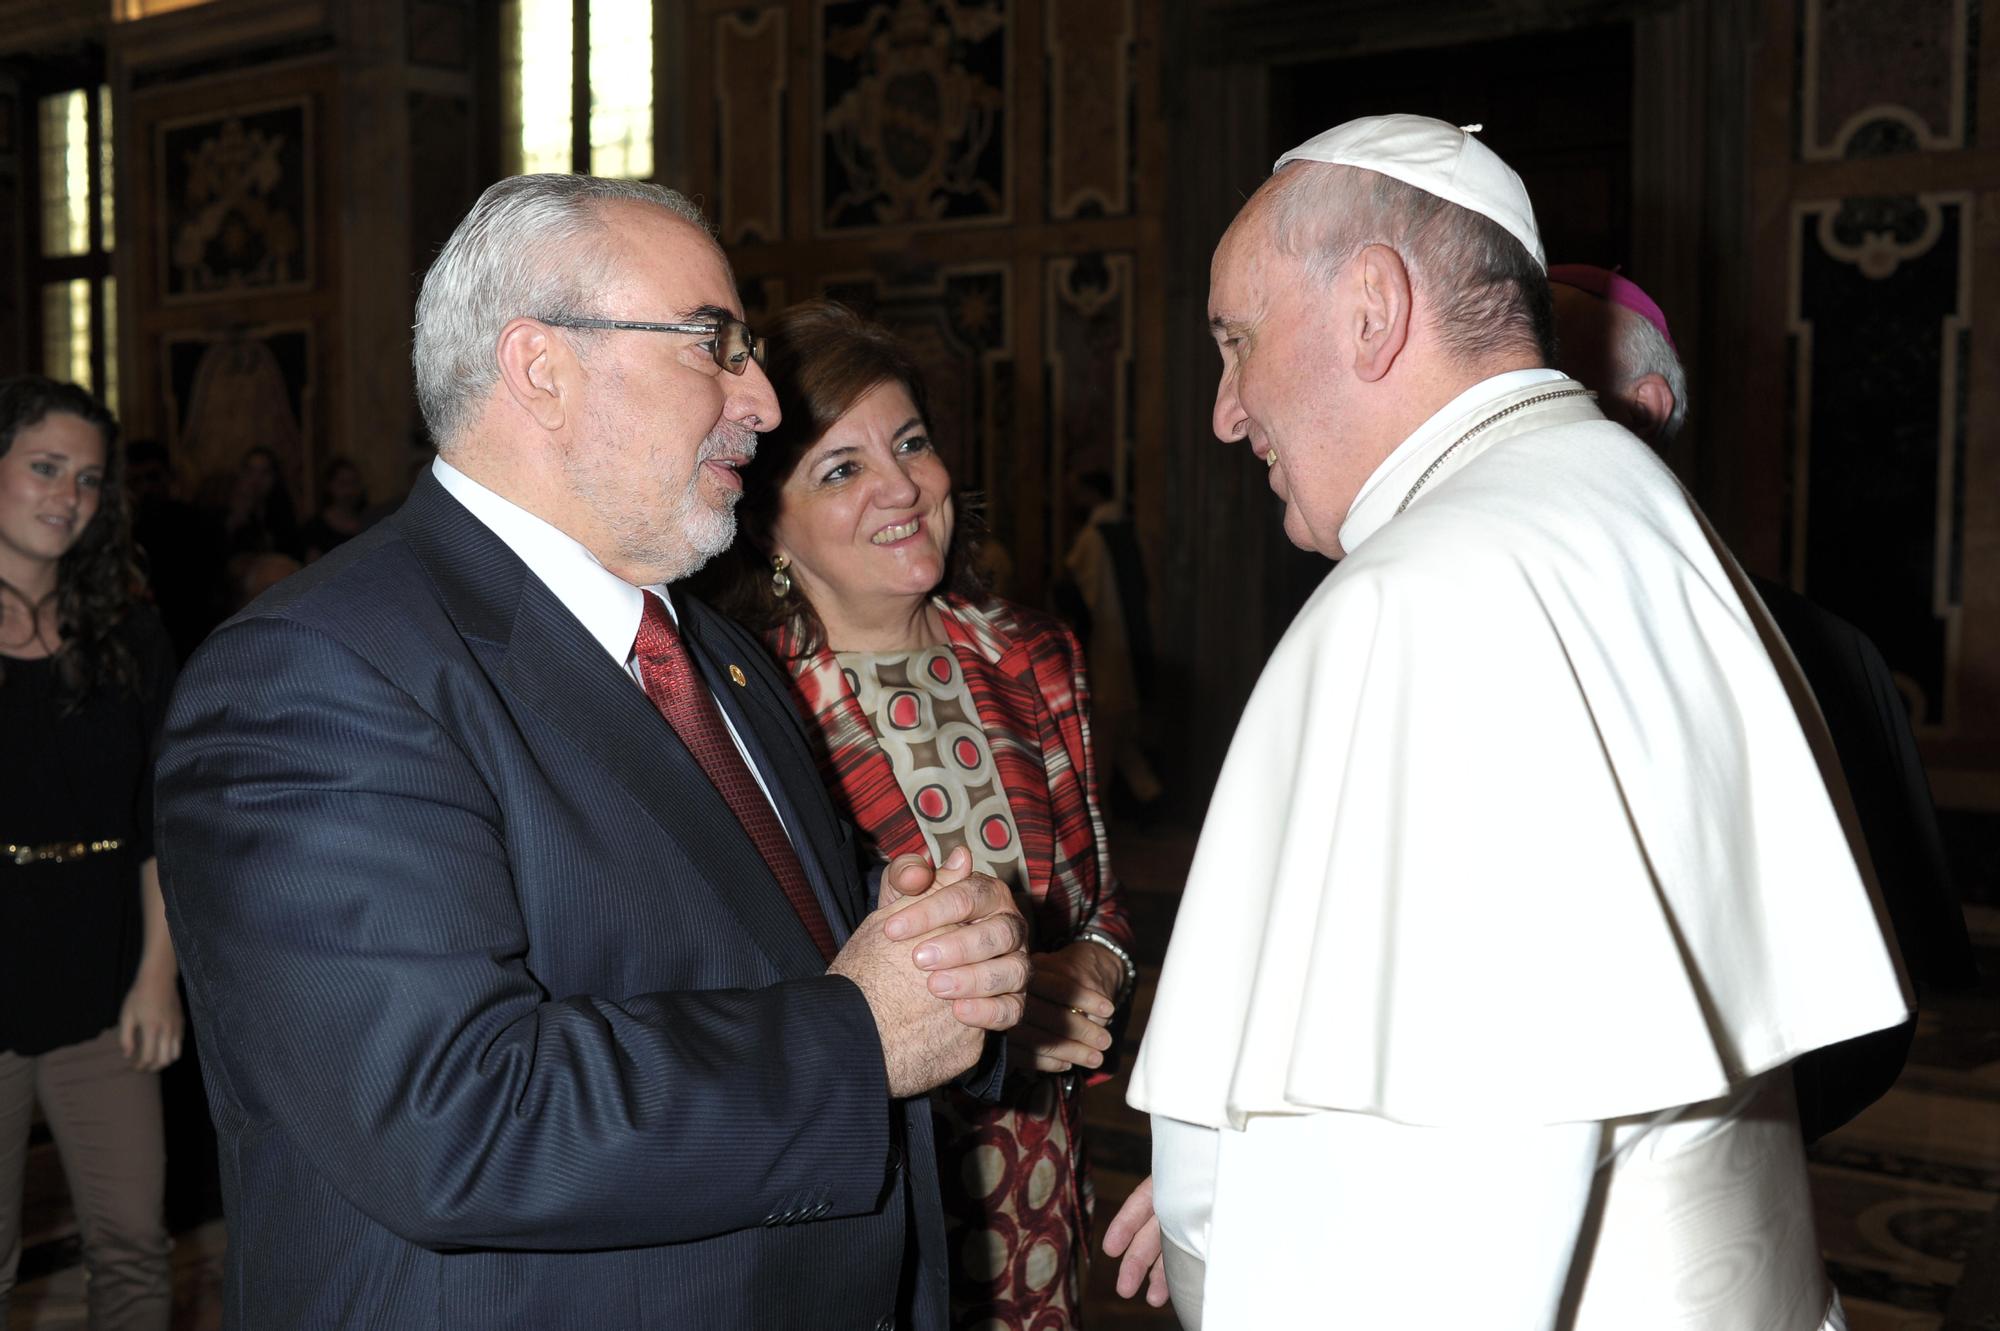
[(781, 581)]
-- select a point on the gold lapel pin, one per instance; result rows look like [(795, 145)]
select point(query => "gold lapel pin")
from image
[(736, 676)]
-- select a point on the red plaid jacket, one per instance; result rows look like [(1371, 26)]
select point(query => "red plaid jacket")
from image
[(1025, 671)]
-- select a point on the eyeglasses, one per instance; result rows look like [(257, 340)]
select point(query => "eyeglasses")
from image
[(735, 345)]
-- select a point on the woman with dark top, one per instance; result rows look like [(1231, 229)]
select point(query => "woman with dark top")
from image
[(343, 499), (88, 1009), (949, 718)]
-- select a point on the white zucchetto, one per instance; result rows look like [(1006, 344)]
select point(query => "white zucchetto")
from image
[(1436, 158)]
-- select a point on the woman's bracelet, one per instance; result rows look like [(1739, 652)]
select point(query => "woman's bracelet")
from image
[(1105, 941)]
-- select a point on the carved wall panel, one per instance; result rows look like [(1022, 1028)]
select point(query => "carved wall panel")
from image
[(1088, 351), (229, 392), (966, 171), (1089, 111), (1869, 473), (912, 124), (1877, 79), (751, 85), (290, 171), (238, 202), (1881, 340), (236, 260)]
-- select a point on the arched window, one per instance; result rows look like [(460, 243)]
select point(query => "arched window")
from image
[(577, 86)]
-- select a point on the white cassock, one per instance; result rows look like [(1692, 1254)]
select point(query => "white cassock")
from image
[(1519, 890)]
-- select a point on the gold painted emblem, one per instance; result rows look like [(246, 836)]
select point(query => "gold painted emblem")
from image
[(736, 675)]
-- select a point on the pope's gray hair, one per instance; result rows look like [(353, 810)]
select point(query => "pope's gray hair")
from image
[(532, 246), (1642, 350), (1485, 293)]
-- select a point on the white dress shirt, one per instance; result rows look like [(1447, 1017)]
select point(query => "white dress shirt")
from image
[(608, 607)]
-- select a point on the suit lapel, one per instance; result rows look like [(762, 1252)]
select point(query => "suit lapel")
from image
[(538, 652), (770, 729)]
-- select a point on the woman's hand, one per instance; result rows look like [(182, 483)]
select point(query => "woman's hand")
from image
[(150, 1023), (1069, 1006)]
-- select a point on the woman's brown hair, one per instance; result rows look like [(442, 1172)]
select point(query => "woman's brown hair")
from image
[(96, 581), (822, 358)]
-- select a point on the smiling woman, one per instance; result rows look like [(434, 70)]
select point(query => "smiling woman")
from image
[(949, 718), (88, 1008)]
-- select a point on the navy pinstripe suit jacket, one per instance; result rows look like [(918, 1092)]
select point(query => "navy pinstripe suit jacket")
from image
[(504, 1022)]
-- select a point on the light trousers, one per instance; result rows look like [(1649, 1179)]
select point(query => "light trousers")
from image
[(105, 1118)]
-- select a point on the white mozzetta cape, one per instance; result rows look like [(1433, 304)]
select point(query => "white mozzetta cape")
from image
[(1519, 824)]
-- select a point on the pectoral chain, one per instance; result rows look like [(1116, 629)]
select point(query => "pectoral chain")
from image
[(1494, 419)]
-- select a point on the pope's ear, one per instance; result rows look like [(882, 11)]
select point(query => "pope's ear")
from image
[(535, 369), (1382, 310)]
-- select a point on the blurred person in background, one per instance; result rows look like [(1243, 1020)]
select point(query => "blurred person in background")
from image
[(1107, 590), (343, 499), (950, 718), (88, 1009), (259, 516), (178, 545)]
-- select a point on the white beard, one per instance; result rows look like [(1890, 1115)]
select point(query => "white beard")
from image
[(692, 530)]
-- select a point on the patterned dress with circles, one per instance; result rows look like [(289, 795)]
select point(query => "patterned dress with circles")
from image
[(925, 721), (986, 742), (1004, 1181)]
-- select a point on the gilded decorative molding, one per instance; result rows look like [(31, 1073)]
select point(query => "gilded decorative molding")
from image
[(1089, 108), (751, 79)]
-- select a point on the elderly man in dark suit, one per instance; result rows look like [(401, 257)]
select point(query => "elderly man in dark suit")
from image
[(536, 983)]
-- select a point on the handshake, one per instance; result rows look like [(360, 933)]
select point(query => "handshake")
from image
[(941, 960)]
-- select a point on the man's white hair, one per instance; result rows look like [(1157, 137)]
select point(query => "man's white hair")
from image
[(1642, 349), (1484, 292), (532, 246)]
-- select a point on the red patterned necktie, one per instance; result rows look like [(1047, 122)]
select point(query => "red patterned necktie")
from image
[(679, 691)]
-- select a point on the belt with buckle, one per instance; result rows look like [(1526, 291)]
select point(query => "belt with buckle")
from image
[(56, 852)]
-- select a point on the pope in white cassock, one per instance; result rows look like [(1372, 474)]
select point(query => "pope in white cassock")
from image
[(1521, 886)]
